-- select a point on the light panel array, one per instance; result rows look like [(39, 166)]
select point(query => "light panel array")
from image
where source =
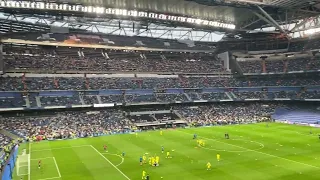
[(111, 11)]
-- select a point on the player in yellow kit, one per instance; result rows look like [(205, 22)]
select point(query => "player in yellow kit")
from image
[(144, 173), (150, 161), (157, 160), (208, 166), (144, 159), (168, 154), (153, 161), (161, 133), (218, 157), (200, 142)]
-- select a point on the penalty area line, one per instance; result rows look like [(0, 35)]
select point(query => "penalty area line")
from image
[(66, 147), (50, 178), (256, 151), (110, 162), (41, 158), (29, 162), (122, 159), (55, 162)]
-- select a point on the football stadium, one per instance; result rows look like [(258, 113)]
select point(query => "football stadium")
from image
[(153, 90)]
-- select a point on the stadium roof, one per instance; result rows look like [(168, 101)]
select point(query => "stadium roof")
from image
[(192, 19)]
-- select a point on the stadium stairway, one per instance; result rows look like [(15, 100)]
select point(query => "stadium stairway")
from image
[(81, 98), (178, 114), (9, 134), (199, 97), (229, 95), (233, 95), (188, 97), (27, 102), (38, 101), (99, 99)]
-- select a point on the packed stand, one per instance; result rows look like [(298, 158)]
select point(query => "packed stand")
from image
[(280, 66), (164, 97), (68, 124), (60, 101), (190, 82), (4, 141), (251, 66), (251, 95), (214, 96), (12, 102), (82, 83), (78, 59), (5, 149), (311, 94), (220, 114)]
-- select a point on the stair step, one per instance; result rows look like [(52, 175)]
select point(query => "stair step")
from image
[(9, 134)]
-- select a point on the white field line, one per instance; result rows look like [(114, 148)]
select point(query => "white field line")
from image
[(55, 162), (67, 147), (18, 166), (29, 162), (23, 166), (122, 159), (41, 158), (22, 175), (50, 178), (110, 162), (256, 151)]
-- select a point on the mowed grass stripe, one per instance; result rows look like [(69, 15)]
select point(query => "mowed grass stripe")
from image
[(71, 163), (188, 162), (290, 165), (184, 147), (234, 163), (288, 144), (179, 158), (140, 145), (206, 135)]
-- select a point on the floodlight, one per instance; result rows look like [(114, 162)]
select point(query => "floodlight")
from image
[(89, 9)]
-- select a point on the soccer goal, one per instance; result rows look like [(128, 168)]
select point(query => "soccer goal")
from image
[(22, 164)]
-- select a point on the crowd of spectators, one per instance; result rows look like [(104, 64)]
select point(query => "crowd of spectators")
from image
[(67, 124), (68, 98), (65, 101), (4, 141), (5, 149), (94, 123), (62, 58), (12, 102), (280, 66), (220, 114), (302, 94), (79, 59), (82, 83), (112, 61)]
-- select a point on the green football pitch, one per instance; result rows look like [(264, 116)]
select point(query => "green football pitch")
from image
[(253, 152)]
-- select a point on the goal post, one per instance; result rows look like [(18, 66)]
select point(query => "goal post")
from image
[(22, 164)]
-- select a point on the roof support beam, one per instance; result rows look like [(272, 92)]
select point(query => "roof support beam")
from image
[(253, 22), (262, 18), (271, 20), (301, 24)]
